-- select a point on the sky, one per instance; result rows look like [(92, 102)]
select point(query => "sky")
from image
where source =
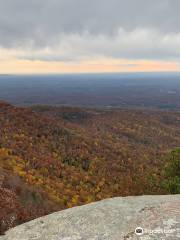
[(74, 36)]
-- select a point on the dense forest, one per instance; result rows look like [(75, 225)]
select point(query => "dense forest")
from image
[(52, 158)]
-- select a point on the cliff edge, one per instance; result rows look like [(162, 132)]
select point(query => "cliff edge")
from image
[(153, 217)]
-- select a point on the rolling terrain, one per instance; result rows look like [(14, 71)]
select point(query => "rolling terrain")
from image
[(52, 158)]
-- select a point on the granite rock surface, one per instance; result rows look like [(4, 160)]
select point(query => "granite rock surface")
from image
[(153, 217)]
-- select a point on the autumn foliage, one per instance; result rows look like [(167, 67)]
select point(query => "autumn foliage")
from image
[(54, 158)]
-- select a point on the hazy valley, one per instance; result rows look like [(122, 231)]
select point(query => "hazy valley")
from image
[(134, 90)]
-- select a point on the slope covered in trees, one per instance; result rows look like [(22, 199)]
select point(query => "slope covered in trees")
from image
[(54, 158)]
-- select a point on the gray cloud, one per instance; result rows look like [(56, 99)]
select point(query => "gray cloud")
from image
[(76, 29), (136, 44)]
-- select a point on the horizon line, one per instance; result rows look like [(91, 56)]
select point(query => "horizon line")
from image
[(91, 73)]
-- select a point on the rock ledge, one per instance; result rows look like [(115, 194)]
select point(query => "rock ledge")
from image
[(110, 219)]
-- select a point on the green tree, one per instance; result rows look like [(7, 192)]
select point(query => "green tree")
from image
[(172, 172)]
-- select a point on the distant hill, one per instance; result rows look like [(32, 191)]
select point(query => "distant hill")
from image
[(52, 158)]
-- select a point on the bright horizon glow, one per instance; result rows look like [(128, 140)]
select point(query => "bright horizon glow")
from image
[(15, 66)]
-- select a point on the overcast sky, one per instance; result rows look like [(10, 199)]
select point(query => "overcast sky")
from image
[(77, 35)]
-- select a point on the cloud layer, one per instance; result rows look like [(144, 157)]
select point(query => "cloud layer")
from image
[(76, 30)]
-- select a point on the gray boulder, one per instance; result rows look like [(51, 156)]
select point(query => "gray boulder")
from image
[(155, 217)]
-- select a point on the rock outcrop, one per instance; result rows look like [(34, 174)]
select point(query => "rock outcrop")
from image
[(158, 217)]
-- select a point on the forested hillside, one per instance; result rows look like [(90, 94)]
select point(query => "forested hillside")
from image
[(53, 158)]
